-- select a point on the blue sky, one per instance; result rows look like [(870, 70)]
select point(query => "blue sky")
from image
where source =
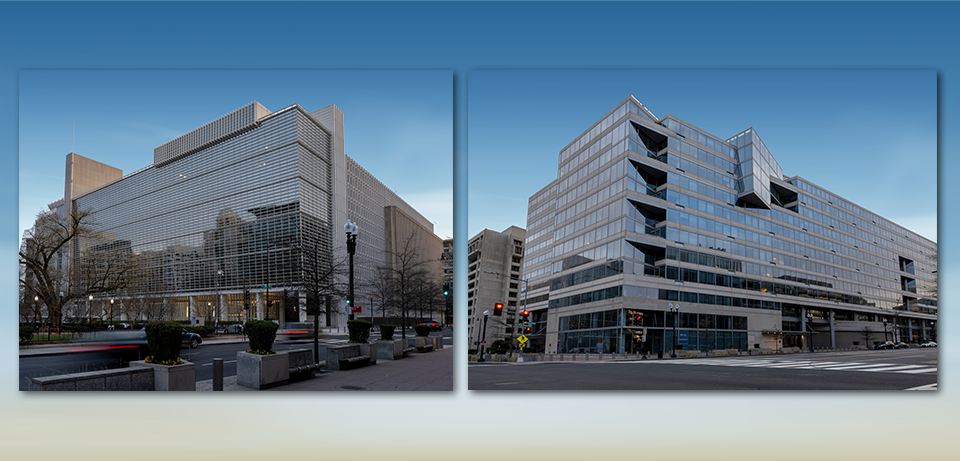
[(869, 136), (398, 124), (465, 37)]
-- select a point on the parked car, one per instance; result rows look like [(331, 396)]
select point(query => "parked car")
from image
[(232, 329), (901, 345), (191, 340), (883, 345), (434, 325), (929, 344)]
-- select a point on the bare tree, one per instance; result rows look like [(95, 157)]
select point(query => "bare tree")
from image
[(866, 334), (407, 270), (323, 280), (380, 290), (44, 256)]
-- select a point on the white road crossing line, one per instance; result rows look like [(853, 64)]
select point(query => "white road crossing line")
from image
[(928, 387), (798, 365), (901, 367), (862, 367), (925, 370), (831, 365)]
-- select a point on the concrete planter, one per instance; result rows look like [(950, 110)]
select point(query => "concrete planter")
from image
[(417, 342), (348, 354), (389, 350), (181, 377), (262, 371), (370, 350)]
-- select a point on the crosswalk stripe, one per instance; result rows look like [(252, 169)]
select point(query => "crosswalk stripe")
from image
[(796, 364), (901, 367), (925, 370)]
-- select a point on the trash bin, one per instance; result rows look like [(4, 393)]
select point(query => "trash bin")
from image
[(659, 354)]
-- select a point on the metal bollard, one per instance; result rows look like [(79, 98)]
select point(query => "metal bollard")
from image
[(218, 374)]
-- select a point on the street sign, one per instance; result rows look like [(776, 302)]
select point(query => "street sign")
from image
[(355, 309), (523, 338)]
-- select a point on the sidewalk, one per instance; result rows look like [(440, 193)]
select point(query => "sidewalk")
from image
[(431, 371)]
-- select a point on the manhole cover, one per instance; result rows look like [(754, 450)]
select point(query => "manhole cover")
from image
[(353, 388)]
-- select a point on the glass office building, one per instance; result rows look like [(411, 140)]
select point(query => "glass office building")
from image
[(657, 233), (217, 222)]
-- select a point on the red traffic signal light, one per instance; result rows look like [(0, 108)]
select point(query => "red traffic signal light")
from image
[(498, 309)]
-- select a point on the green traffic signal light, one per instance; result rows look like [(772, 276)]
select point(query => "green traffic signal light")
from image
[(446, 292)]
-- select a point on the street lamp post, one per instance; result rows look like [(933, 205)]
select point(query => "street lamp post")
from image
[(885, 329), (809, 321), (89, 309), (483, 341), (675, 310), (351, 229), (36, 314)]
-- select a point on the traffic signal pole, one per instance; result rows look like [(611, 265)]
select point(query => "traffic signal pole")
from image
[(483, 341)]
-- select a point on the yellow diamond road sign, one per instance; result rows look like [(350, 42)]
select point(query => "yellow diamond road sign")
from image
[(522, 339)]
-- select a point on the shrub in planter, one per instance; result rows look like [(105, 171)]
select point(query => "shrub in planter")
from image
[(422, 330), (26, 334), (163, 340), (262, 333), (359, 331), (386, 332)]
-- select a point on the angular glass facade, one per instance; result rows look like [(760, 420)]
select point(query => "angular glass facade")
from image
[(648, 214)]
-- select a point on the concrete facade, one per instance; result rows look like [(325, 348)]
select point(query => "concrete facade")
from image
[(494, 264)]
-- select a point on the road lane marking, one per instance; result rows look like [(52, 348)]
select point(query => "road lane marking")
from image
[(928, 387), (797, 364), (860, 367), (925, 370), (894, 368)]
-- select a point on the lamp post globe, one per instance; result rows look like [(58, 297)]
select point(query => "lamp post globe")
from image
[(351, 230)]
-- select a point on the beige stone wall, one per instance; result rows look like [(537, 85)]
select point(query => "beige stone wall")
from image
[(84, 175), (399, 227)]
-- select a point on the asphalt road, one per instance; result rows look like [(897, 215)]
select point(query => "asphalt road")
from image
[(80, 361), (860, 370)]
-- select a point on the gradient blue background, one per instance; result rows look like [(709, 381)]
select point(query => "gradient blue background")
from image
[(462, 37)]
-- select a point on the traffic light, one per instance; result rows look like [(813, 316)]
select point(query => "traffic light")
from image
[(528, 330), (525, 316), (498, 309), (446, 289), (246, 295)]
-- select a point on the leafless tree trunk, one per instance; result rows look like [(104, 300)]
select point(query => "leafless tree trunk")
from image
[(323, 279)]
